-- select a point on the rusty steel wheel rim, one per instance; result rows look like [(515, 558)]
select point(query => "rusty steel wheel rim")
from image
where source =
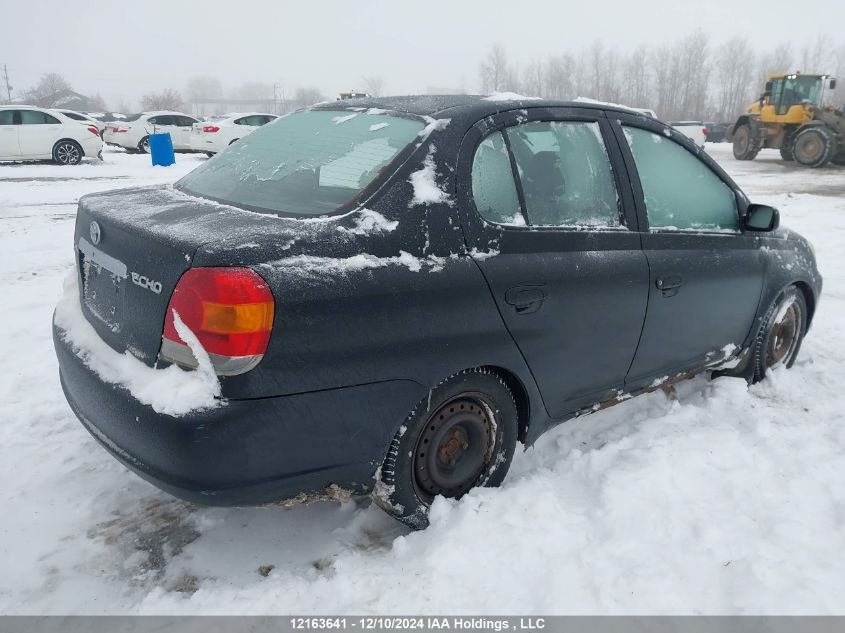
[(784, 335), (455, 447)]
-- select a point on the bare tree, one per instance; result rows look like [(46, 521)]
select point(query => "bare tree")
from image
[(307, 96), (494, 70), (817, 56), (735, 65), (558, 81), (372, 85), (49, 89), (97, 104), (204, 88), (167, 99)]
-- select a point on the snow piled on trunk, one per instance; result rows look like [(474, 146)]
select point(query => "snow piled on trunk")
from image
[(172, 391)]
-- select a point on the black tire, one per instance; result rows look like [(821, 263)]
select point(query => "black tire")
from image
[(144, 145), (746, 145), (786, 151), (781, 332), (471, 421), (67, 152), (814, 146)]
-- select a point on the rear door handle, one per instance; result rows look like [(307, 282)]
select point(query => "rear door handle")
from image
[(669, 284), (526, 299)]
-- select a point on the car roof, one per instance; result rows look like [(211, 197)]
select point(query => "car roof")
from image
[(478, 105)]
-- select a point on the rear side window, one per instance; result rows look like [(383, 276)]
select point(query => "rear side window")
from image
[(308, 163), (33, 117), (74, 116), (680, 191), (7, 117), (493, 186), (565, 173)]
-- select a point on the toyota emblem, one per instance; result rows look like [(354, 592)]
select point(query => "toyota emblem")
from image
[(95, 233)]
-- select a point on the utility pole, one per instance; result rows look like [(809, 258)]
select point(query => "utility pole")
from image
[(8, 87)]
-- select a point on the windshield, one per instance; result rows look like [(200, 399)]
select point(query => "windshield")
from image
[(802, 90), (308, 163)]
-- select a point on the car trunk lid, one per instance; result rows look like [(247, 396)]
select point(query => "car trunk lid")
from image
[(132, 246)]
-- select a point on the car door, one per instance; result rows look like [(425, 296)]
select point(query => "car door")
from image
[(551, 224), (10, 148), (38, 133), (706, 275), (164, 124), (184, 124)]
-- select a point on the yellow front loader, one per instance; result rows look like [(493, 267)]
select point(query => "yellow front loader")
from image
[(791, 116)]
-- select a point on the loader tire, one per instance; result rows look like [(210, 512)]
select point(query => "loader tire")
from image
[(814, 146), (746, 145), (786, 153)]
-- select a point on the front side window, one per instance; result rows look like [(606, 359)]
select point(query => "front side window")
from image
[(7, 117), (565, 173), (308, 163), (680, 191), (493, 186)]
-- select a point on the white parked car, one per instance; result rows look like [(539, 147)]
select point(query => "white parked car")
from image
[(31, 133), (218, 133), (696, 130), (132, 133)]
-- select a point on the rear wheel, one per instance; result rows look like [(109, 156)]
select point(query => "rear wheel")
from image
[(746, 146), (144, 145), (67, 152), (781, 333), (461, 436), (814, 146)]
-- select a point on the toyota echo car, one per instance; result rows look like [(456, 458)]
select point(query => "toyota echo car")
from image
[(387, 295)]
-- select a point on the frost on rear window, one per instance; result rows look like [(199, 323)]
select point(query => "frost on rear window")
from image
[(310, 163)]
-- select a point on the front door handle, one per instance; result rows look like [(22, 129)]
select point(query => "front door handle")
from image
[(669, 284), (526, 299)]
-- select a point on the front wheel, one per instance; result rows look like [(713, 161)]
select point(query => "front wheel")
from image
[(461, 436), (67, 153), (144, 145), (781, 333), (746, 146)]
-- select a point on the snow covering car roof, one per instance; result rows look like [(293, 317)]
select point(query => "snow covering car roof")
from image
[(481, 105)]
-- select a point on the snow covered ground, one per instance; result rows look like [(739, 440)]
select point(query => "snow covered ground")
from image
[(722, 499)]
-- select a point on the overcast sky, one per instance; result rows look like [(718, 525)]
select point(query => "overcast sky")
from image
[(125, 49)]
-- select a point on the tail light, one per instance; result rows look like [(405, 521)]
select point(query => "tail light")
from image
[(94, 131), (229, 310), (210, 128), (704, 130), (118, 130)]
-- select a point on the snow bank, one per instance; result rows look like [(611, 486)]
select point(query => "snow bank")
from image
[(424, 181), (172, 391)]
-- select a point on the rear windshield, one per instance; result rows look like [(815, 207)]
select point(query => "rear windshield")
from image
[(308, 163)]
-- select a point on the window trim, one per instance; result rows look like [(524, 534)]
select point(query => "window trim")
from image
[(548, 116), (623, 120)]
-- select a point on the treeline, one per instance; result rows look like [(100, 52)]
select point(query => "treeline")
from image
[(691, 78)]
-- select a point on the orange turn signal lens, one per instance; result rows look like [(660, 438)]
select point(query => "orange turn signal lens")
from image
[(221, 318)]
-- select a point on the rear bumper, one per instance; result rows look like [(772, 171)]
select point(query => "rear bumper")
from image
[(92, 146), (246, 452)]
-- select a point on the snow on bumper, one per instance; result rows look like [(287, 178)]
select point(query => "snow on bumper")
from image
[(246, 452)]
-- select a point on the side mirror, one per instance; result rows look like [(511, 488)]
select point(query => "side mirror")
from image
[(768, 88), (761, 217)]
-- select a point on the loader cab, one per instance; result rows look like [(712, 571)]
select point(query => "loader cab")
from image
[(786, 91)]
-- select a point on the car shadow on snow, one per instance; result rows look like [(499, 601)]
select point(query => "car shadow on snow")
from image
[(160, 541)]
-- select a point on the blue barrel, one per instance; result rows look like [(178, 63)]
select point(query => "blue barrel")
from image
[(161, 149)]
